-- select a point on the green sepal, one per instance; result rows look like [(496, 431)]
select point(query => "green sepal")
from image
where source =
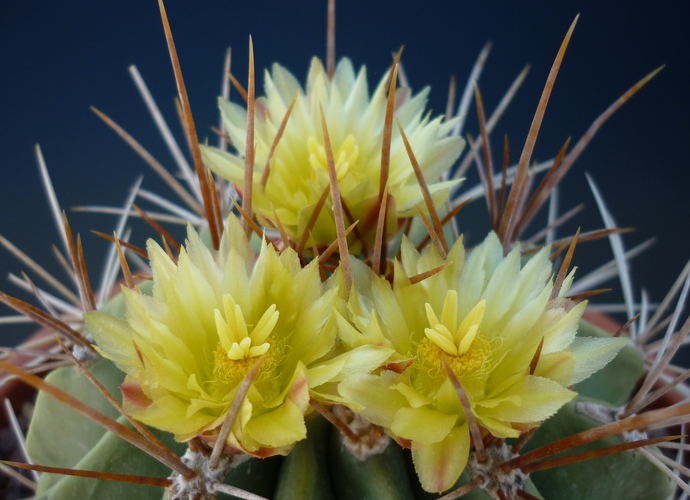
[(379, 477), (615, 382), (304, 473), (623, 475)]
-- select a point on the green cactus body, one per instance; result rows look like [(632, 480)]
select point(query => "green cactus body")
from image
[(623, 475)]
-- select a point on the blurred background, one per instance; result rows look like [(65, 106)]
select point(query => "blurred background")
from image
[(59, 58)]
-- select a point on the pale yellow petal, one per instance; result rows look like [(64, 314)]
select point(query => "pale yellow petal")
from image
[(326, 371), (283, 426), (414, 397), (531, 399), (363, 359), (114, 337), (592, 354), (560, 335), (374, 394), (422, 425), (440, 464), (557, 366)]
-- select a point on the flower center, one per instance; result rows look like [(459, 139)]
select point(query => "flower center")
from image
[(429, 355), (446, 334), (344, 158), (238, 349), (460, 345)]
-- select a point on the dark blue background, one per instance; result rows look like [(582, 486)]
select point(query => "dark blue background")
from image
[(58, 58)]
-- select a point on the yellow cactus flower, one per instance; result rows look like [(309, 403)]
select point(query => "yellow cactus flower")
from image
[(298, 175), (485, 316), (211, 316)]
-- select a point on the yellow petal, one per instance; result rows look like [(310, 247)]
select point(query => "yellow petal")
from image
[(592, 354), (531, 399), (415, 398), (326, 371), (440, 464), (114, 338), (375, 395), (422, 425), (281, 427), (557, 366)]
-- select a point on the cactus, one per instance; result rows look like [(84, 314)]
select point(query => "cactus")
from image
[(331, 336)]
